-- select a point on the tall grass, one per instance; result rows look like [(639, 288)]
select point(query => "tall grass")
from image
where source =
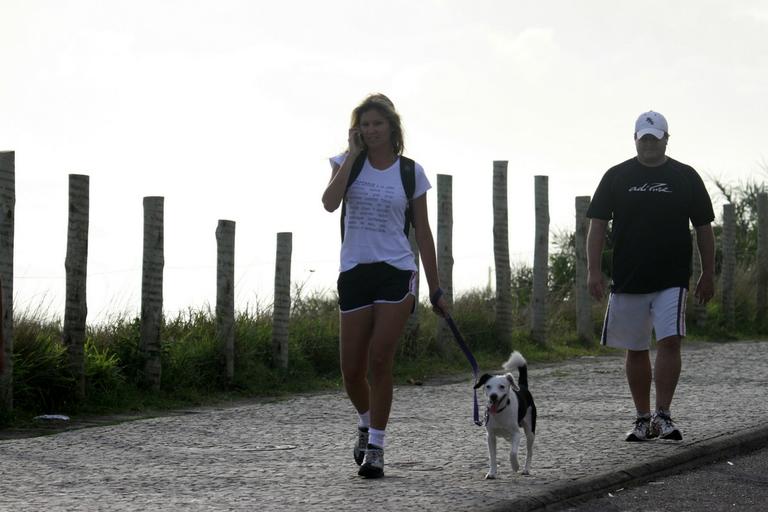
[(193, 365), (40, 376)]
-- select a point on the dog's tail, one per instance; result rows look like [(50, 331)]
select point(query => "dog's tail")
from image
[(516, 360)]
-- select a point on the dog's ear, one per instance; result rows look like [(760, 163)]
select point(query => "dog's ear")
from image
[(483, 379), (512, 383)]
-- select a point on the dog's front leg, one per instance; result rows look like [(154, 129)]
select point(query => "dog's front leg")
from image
[(491, 455), (513, 452)]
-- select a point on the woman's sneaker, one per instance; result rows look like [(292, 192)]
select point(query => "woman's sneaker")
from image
[(361, 445), (641, 431), (373, 463), (663, 427)]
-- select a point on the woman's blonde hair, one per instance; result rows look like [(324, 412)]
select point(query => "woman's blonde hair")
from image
[(386, 108)]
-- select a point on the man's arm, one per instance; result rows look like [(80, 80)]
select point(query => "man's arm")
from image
[(705, 239), (595, 244)]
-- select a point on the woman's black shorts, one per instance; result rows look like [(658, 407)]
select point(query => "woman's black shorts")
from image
[(374, 283)]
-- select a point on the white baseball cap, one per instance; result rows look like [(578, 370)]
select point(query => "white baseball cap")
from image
[(651, 122)]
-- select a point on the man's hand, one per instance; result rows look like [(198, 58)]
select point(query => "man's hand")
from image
[(595, 284), (705, 288)]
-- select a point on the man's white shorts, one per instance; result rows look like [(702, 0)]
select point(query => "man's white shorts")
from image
[(631, 317)]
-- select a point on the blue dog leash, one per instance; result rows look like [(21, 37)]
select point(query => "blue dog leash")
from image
[(464, 348)]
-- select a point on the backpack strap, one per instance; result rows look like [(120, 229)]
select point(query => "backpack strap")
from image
[(408, 177), (357, 167)]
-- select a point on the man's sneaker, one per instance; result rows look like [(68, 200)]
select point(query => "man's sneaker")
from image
[(663, 427), (373, 463), (362, 443), (642, 430)]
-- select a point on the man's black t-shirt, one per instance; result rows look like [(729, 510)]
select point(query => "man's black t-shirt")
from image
[(650, 208)]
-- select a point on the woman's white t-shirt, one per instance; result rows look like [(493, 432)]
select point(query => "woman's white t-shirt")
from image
[(375, 217)]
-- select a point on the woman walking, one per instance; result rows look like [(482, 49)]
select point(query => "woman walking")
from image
[(376, 284)]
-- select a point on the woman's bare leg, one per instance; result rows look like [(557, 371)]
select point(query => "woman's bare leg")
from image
[(388, 325), (355, 332)]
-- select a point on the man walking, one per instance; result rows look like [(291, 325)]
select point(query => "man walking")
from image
[(650, 198)]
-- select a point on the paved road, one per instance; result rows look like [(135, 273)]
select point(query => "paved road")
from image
[(737, 482), (294, 454)]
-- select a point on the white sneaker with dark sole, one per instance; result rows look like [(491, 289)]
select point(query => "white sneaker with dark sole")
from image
[(641, 431), (663, 427), (373, 463)]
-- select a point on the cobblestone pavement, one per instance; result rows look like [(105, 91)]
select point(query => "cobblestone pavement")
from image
[(295, 454)]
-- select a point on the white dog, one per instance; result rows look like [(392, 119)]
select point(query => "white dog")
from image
[(509, 408)]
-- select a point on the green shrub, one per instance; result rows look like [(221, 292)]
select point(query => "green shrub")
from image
[(105, 382), (41, 378), (314, 334), (190, 356), (102, 369), (122, 337)]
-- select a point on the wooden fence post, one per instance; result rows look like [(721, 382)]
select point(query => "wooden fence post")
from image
[(445, 253), (729, 265), (540, 261), (225, 292), (7, 215), (762, 261), (152, 289), (501, 254), (584, 326), (76, 266), (281, 311)]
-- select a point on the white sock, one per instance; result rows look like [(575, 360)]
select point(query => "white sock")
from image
[(364, 419), (376, 437)]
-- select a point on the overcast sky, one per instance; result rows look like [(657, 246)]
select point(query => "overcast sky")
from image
[(230, 109)]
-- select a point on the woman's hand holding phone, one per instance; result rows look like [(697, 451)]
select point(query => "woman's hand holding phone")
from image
[(355, 141)]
